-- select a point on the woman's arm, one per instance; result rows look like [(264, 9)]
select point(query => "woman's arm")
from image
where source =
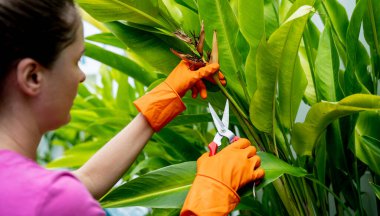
[(107, 165), (157, 108)]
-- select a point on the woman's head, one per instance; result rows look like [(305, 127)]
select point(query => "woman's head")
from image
[(35, 29), (41, 42)]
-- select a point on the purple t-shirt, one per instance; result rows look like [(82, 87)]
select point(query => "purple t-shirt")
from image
[(29, 189)]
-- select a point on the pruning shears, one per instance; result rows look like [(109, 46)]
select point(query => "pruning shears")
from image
[(222, 129)]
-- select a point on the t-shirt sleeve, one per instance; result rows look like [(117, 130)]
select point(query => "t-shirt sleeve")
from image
[(68, 196)]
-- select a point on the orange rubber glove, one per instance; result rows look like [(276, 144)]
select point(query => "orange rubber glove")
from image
[(163, 103), (181, 79), (219, 177)]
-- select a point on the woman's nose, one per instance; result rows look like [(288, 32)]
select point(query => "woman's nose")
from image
[(82, 76)]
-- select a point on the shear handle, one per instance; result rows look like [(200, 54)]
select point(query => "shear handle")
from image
[(213, 147), (236, 138)]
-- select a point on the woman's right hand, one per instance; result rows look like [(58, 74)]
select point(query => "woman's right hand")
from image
[(219, 177)]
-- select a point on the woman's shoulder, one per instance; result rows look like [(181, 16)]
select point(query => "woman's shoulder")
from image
[(68, 195), (23, 181), (19, 169)]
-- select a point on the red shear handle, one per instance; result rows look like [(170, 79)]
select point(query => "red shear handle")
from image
[(213, 147), (236, 138)]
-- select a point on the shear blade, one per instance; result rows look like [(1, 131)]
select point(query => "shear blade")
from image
[(217, 122), (226, 115)]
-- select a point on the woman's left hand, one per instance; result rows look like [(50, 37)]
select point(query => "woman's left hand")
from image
[(182, 79)]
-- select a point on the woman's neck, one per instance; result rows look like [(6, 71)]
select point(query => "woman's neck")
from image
[(19, 133)]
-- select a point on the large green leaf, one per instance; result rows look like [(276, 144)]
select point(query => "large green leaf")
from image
[(163, 188), (352, 83), (371, 25), (306, 134), (252, 26), (309, 94), (367, 140), (214, 13), (186, 17), (296, 5), (191, 4), (339, 19), (308, 52), (283, 10), (167, 187), (147, 48), (261, 108), (121, 63), (145, 12), (277, 65), (251, 20), (106, 38), (327, 68), (271, 17)]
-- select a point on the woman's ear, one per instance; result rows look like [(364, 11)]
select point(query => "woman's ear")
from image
[(29, 76)]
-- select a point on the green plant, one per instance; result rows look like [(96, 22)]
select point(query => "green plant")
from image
[(274, 58)]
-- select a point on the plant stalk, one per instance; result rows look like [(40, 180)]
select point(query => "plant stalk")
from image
[(285, 198), (231, 99), (357, 179), (341, 202), (296, 194)]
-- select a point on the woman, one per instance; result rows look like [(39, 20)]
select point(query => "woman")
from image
[(41, 43)]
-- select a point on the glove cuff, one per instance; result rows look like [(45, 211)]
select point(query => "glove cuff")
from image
[(160, 106), (208, 196), (228, 187)]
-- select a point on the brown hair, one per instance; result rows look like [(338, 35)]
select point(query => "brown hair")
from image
[(38, 29)]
